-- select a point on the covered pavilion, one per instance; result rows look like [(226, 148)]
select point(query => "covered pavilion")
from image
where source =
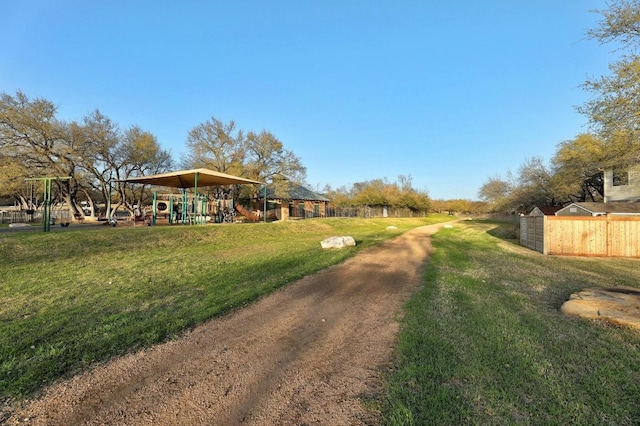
[(186, 179)]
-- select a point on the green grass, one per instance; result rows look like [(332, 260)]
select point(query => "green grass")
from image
[(69, 299), (484, 342)]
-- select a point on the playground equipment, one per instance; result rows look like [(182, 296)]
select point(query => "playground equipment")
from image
[(47, 198)]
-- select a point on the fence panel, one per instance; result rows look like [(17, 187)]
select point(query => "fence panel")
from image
[(583, 236), (21, 216), (616, 236), (532, 232), (627, 237)]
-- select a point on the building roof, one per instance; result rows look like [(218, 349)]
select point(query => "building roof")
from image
[(546, 210), (191, 178), (294, 192), (607, 208)]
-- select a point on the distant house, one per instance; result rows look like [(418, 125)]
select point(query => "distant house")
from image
[(600, 209), (298, 202), (544, 211), (622, 184)]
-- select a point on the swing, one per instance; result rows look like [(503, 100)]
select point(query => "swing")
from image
[(30, 210)]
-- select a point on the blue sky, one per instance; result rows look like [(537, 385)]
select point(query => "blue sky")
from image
[(449, 92)]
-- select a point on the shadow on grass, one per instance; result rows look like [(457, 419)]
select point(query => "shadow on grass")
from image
[(506, 230)]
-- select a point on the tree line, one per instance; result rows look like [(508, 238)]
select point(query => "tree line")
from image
[(93, 152), (575, 172), (98, 157), (381, 192)]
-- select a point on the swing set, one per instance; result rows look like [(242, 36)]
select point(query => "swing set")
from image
[(47, 199)]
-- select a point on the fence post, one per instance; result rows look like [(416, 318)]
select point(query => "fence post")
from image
[(545, 239), (608, 234)]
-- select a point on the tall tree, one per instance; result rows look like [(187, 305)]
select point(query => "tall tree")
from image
[(535, 186), (381, 192), (260, 156), (614, 111), (578, 168), (267, 160), (32, 136), (95, 143), (138, 153), (496, 192), (34, 143), (216, 146)]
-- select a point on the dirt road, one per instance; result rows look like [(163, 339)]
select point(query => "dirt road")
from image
[(309, 354)]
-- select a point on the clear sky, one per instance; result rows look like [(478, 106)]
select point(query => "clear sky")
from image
[(450, 92)]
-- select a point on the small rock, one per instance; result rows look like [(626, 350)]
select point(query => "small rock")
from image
[(338, 242), (392, 227), (19, 225)]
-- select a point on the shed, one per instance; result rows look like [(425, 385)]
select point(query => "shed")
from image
[(600, 209), (297, 202), (544, 211)]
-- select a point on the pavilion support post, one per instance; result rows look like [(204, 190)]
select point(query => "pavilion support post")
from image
[(155, 208), (195, 197), (185, 207), (171, 209), (47, 205), (264, 215)]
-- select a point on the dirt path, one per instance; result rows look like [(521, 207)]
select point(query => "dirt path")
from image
[(309, 354)]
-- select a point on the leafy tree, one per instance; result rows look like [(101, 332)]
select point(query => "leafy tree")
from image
[(496, 191), (620, 24), (35, 140), (12, 182), (371, 193), (138, 153), (34, 143), (258, 156), (94, 142), (534, 185), (614, 110), (340, 197), (577, 168), (381, 192), (267, 158), (216, 146)]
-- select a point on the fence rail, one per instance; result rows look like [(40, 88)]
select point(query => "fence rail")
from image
[(613, 236)]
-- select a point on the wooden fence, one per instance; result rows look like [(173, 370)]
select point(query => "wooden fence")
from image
[(615, 236)]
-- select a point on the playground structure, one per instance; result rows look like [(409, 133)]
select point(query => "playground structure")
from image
[(195, 207), (185, 208), (47, 199)]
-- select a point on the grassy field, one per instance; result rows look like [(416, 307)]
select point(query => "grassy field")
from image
[(71, 298), (484, 341)]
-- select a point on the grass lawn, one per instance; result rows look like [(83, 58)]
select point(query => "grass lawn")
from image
[(72, 298), (484, 342)]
